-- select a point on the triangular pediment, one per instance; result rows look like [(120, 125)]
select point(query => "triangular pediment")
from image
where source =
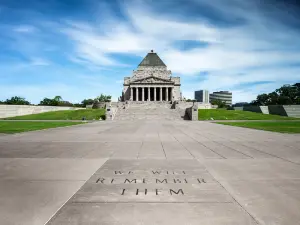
[(152, 80)]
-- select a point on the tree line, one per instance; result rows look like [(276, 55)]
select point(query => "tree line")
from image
[(286, 95), (57, 101)]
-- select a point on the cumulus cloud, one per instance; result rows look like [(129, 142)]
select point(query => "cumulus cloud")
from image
[(230, 51), (246, 45)]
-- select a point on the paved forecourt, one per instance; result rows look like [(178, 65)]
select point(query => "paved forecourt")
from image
[(150, 172)]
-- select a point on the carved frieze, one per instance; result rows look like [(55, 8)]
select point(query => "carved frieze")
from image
[(152, 80)]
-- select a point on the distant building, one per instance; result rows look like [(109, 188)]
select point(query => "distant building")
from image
[(202, 96), (224, 96)]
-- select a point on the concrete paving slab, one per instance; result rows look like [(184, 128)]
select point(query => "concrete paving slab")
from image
[(126, 150), (152, 213), (199, 151), (33, 202), (150, 165), (255, 169), (174, 150), (268, 201), (49, 169), (277, 149), (169, 173), (247, 150), (202, 193), (152, 150), (225, 151)]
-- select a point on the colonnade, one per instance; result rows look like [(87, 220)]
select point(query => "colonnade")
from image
[(151, 93)]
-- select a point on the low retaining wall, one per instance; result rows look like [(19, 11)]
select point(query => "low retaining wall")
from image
[(285, 110), (281, 110), (292, 110), (258, 109), (21, 110), (192, 112)]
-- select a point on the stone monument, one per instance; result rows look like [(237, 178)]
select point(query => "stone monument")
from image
[(152, 81)]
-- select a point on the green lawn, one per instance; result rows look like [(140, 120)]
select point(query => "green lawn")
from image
[(222, 114), (11, 127), (89, 114), (278, 126)]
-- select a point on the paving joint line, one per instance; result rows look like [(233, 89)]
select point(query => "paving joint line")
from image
[(255, 220), (63, 205), (204, 146)]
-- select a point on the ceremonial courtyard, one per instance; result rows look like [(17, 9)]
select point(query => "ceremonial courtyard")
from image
[(149, 172)]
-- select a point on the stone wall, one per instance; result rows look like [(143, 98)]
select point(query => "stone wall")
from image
[(240, 108), (192, 112), (277, 110), (265, 109), (20, 110), (285, 110), (176, 93), (146, 71), (281, 110), (204, 105), (111, 110), (184, 105), (258, 109), (292, 110)]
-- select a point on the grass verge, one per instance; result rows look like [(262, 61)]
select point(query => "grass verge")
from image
[(222, 114), (292, 127), (89, 114), (11, 127)]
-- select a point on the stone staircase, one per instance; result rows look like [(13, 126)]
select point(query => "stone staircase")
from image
[(148, 111)]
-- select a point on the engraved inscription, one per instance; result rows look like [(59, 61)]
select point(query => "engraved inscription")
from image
[(150, 181), (179, 178), (154, 191)]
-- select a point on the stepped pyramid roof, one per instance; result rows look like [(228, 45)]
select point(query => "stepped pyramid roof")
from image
[(152, 59)]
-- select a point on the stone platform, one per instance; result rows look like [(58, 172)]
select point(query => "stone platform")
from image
[(150, 172)]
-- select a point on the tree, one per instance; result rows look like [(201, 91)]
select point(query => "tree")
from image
[(219, 103), (104, 98), (240, 104), (16, 100), (189, 100), (285, 95), (87, 102), (56, 101), (65, 103), (48, 102), (57, 98), (262, 99), (288, 92), (272, 98)]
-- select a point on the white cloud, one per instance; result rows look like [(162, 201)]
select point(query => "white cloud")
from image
[(39, 62), (25, 29), (259, 42)]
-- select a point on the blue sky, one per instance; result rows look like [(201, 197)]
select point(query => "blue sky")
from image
[(79, 49)]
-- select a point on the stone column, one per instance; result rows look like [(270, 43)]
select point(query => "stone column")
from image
[(155, 94), (143, 94), (171, 97), (148, 94), (167, 93), (137, 94), (131, 93), (160, 94)]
